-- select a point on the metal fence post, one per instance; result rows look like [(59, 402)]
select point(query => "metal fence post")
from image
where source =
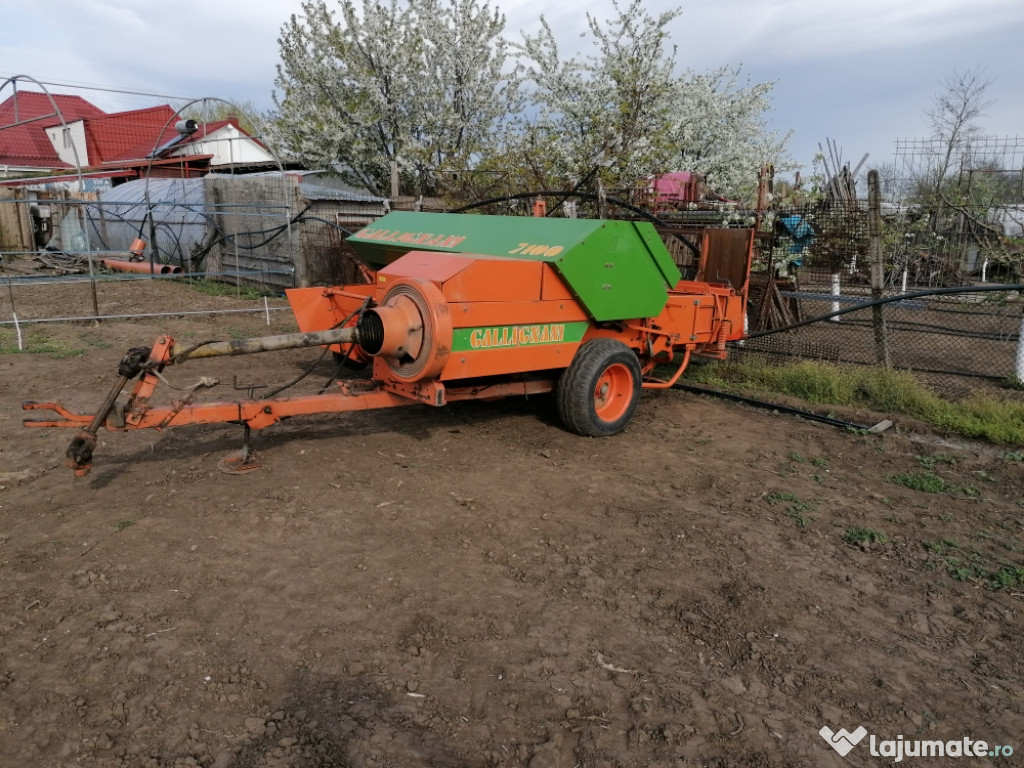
[(1019, 367), (877, 268)]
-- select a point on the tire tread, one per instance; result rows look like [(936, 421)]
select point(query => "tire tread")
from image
[(574, 395)]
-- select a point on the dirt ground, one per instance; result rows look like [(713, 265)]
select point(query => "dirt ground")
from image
[(475, 586)]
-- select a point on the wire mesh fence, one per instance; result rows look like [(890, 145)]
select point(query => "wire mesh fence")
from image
[(959, 344), (270, 233), (959, 327), (263, 233)]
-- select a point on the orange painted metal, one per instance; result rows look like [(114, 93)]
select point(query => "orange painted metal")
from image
[(67, 418), (476, 314), (670, 382), (316, 309), (473, 365), (499, 390), (613, 392), (349, 396), (425, 265), (160, 353), (442, 327), (553, 288), (403, 328), (492, 279), (417, 296), (256, 413)]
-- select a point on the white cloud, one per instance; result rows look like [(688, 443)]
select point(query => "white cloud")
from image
[(824, 29), (860, 71)]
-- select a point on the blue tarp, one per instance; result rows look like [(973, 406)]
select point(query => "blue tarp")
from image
[(802, 234)]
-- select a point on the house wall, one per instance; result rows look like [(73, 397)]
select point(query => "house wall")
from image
[(228, 147), (76, 134), (251, 218)]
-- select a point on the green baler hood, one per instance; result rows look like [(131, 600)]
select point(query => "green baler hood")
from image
[(618, 270)]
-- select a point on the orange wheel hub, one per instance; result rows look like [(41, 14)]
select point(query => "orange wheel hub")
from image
[(613, 392)]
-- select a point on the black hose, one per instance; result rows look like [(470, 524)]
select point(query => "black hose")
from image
[(909, 326), (887, 300), (583, 196), (809, 415)]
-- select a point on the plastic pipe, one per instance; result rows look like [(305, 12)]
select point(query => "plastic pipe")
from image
[(139, 267)]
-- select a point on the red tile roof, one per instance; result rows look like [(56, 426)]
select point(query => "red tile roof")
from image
[(118, 140), (114, 139), (26, 144)]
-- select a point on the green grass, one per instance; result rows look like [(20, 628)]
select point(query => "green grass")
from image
[(214, 288), (975, 566), (889, 391), (864, 536), (794, 511), (38, 342), (926, 481), (1006, 577)]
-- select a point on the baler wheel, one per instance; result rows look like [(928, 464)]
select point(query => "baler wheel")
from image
[(599, 391)]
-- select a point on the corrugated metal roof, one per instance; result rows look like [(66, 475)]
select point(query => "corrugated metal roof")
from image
[(318, 192), (31, 105)]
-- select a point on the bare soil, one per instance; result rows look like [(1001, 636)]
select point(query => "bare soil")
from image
[(475, 586)]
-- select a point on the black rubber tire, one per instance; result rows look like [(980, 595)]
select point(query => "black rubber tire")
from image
[(577, 396)]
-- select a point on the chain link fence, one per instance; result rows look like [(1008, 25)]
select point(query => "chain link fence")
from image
[(258, 233), (959, 327)]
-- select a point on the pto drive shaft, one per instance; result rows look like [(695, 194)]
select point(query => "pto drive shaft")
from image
[(269, 344), (139, 359)]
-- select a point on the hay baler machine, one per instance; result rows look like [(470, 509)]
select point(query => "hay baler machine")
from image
[(464, 307)]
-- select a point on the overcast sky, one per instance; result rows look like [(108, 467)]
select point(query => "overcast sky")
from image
[(859, 72)]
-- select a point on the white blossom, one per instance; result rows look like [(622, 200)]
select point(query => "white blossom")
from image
[(423, 83)]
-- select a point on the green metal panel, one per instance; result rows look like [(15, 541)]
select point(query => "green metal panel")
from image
[(662, 258), (402, 231), (617, 269), (614, 275)]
